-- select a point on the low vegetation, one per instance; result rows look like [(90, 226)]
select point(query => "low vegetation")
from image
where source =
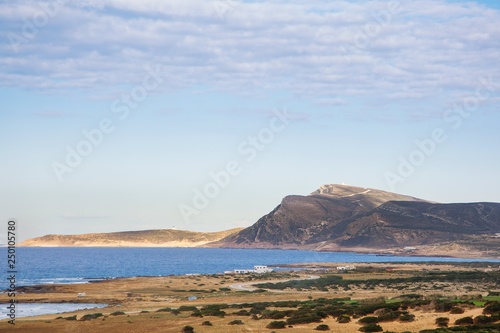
[(117, 313), (432, 300), (334, 282), (371, 328), (187, 329), (276, 325), (442, 321), (91, 316), (322, 327)]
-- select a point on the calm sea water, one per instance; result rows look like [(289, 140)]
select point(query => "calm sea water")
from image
[(79, 265), (36, 309)]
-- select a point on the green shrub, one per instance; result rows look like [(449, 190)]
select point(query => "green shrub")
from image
[(164, 310), (443, 306), (343, 319), (213, 313), (411, 296), (242, 313), (187, 329), (464, 321), (197, 313), (257, 308), (303, 318), (492, 308), (275, 314), (370, 328), (368, 320), (389, 316), (407, 317), (256, 291), (206, 323), (442, 321), (91, 316), (322, 314), (276, 324), (187, 308), (117, 313), (374, 305), (456, 310), (236, 322), (322, 327), (481, 320), (214, 310), (336, 312)]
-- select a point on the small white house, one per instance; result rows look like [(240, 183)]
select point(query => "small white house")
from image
[(262, 269), (259, 269), (345, 268)]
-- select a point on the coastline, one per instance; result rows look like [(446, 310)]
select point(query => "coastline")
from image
[(423, 251), (147, 302)]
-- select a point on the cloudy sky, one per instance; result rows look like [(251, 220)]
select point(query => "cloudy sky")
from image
[(126, 115)]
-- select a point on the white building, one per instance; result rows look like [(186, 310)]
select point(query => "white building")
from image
[(259, 269), (262, 269), (345, 268)]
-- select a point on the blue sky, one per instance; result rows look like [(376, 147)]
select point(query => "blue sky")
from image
[(118, 115)]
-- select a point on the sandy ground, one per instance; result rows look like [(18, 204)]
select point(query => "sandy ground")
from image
[(134, 296), (159, 322)]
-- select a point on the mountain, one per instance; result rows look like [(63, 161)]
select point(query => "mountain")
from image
[(335, 218), (342, 217), (144, 238)]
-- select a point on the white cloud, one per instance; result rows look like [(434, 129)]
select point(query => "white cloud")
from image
[(318, 50)]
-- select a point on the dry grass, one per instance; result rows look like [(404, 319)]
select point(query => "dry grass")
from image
[(133, 295)]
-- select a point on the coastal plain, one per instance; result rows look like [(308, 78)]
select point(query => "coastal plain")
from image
[(402, 297)]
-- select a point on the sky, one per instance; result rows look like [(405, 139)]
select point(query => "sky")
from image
[(202, 115)]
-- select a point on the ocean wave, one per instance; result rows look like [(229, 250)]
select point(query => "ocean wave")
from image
[(63, 280)]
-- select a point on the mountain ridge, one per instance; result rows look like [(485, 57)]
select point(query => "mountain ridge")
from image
[(140, 238), (335, 218), (349, 218)]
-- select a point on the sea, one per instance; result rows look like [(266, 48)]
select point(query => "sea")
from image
[(48, 265)]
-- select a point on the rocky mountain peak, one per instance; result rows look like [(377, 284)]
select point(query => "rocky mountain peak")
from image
[(343, 216)]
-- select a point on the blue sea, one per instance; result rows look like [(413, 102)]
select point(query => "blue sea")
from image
[(80, 265), (37, 309)]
